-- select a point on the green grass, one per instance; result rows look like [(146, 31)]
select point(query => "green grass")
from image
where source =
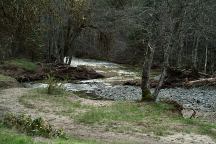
[(156, 118), (22, 63), (8, 136), (137, 115), (123, 111), (124, 116), (6, 78), (7, 82), (61, 101)]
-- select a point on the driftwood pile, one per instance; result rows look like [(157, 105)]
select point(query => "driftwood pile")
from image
[(180, 78), (65, 72), (188, 78), (59, 71)]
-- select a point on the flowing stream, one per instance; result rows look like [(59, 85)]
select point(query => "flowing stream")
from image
[(111, 87)]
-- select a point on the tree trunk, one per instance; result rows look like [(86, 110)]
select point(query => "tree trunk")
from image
[(179, 62), (164, 71), (206, 58), (195, 60), (146, 93), (201, 82)]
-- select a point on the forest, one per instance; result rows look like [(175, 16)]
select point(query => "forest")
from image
[(107, 71)]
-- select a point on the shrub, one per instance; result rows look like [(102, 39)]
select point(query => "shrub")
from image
[(53, 86), (33, 127)]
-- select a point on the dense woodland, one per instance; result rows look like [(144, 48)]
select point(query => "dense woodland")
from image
[(179, 33), (119, 30), (107, 71)]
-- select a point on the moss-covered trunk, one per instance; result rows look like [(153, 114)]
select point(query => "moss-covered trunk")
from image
[(146, 93)]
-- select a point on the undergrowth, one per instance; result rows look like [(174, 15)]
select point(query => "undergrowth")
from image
[(33, 127), (22, 63), (6, 78), (157, 118), (10, 136)]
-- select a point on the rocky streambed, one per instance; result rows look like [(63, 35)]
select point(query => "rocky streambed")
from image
[(200, 99), (203, 99)]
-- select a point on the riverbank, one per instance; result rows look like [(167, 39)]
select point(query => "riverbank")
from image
[(113, 87), (24, 70), (105, 109), (108, 121)]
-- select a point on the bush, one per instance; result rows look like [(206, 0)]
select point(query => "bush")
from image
[(33, 127), (53, 86)]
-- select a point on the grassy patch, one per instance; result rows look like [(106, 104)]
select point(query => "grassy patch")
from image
[(201, 127), (7, 82), (34, 127), (145, 118), (8, 136), (123, 111), (22, 63), (6, 78), (121, 116), (60, 103), (156, 118)]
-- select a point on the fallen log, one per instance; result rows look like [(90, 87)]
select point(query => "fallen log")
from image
[(201, 82), (179, 78), (179, 75)]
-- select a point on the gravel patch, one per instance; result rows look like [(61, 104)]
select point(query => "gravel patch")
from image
[(120, 93), (203, 99), (200, 99)]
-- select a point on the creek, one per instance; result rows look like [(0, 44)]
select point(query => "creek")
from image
[(111, 87)]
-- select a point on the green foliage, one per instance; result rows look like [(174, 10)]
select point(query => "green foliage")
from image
[(8, 136), (6, 78), (19, 27), (33, 127), (7, 82), (53, 86), (22, 63)]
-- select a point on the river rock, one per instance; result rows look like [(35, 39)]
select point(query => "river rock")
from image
[(188, 113)]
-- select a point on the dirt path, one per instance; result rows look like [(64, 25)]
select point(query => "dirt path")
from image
[(9, 101)]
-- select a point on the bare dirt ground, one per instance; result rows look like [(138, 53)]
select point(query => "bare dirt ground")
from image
[(9, 101)]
